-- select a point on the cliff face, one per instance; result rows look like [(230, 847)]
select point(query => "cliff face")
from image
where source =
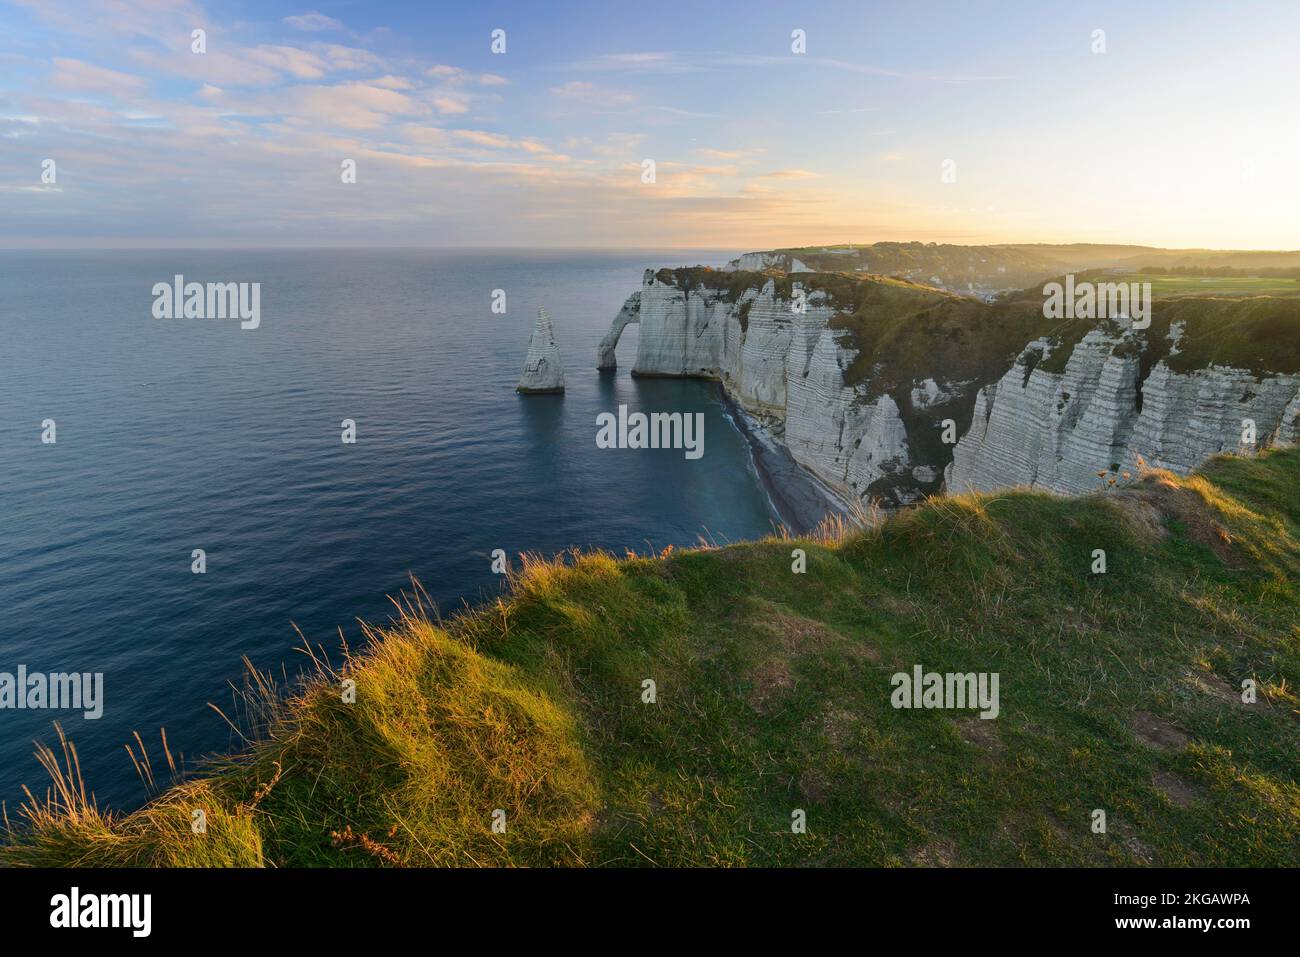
[(767, 260), (786, 367), (1058, 430), (869, 385)]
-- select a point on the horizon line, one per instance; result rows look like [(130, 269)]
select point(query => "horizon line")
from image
[(160, 246)]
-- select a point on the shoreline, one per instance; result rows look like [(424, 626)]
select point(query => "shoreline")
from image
[(799, 500)]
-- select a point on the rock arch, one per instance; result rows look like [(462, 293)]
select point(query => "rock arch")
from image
[(630, 313)]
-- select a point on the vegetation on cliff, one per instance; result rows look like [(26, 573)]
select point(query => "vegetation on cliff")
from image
[(1017, 265), (904, 331), (1119, 692)]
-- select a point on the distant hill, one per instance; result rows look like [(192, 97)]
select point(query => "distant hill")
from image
[(997, 268)]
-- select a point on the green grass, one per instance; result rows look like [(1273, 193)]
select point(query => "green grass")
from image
[(1164, 287), (1015, 266), (1118, 692)]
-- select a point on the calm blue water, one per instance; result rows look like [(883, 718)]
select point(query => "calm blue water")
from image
[(192, 434)]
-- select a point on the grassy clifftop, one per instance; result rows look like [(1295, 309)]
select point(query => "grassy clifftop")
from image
[(1118, 691), (1011, 266), (905, 331)]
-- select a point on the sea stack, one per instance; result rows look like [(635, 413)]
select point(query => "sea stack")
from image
[(543, 372)]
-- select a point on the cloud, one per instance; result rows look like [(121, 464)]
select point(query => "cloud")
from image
[(617, 145), (87, 78), (97, 19), (704, 170), (353, 106), (313, 22), (290, 60), (649, 62), (591, 94), (393, 83), (348, 59), (260, 125), (217, 67), (720, 154), (450, 105), (481, 138), (445, 71), (790, 174), (426, 136)]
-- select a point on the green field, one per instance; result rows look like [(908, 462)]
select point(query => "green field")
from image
[(1164, 287)]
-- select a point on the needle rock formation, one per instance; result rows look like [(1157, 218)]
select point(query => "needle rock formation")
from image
[(543, 372)]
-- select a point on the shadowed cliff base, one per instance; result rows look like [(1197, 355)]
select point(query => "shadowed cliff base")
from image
[(800, 501), (1120, 692)]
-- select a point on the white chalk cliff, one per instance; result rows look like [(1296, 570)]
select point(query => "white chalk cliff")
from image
[(1109, 404), (761, 261), (543, 371), (1058, 430), (785, 367)]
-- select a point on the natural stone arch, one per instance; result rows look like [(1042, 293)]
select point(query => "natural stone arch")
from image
[(630, 313)]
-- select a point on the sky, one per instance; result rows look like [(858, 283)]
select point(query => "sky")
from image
[(963, 121)]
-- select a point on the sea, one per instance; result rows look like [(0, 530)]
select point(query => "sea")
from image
[(172, 436)]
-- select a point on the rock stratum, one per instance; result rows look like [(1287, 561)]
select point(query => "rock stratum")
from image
[(889, 390), (543, 371)]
